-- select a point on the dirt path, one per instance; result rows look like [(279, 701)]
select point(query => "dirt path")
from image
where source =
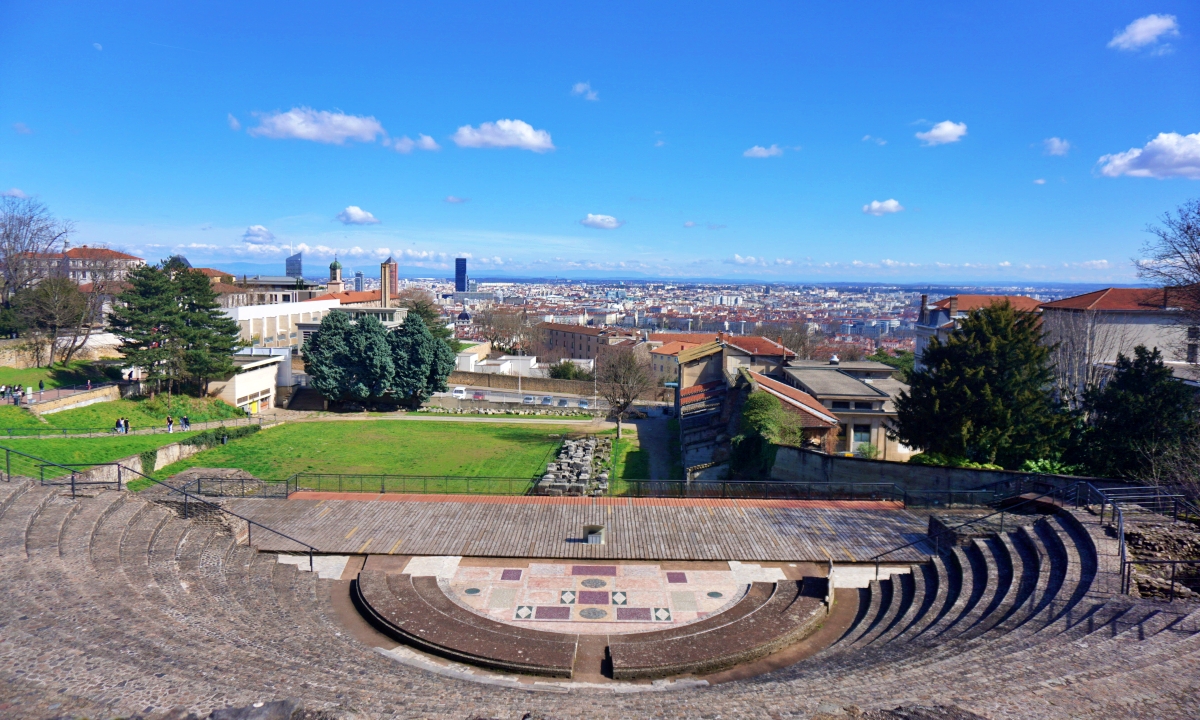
[(654, 439)]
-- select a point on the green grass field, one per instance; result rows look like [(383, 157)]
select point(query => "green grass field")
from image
[(80, 450), (13, 417), (144, 413), (77, 373), (386, 447)]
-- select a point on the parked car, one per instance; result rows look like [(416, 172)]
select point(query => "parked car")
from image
[(459, 393), (527, 400), (584, 404), (547, 400), (479, 395), (562, 402)]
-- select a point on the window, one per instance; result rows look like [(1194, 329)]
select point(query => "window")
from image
[(864, 406), (862, 434), (841, 405)]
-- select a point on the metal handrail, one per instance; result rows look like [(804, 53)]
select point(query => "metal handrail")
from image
[(42, 464), (937, 538), (37, 432)]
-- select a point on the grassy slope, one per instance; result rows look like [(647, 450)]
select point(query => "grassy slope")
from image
[(12, 416), (143, 413), (383, 447), (81, 450), (58, 376)]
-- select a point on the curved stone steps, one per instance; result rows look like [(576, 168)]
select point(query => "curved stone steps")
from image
[(18, 517), (899, 597), (922, 581)]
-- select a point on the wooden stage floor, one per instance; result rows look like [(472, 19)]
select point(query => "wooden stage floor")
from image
[(541, 527)]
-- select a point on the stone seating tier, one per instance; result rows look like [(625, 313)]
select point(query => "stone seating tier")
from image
[(114, 607)]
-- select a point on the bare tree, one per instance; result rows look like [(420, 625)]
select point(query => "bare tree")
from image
[(1172, 258), (1083, 345), (54, 309), (29, 234), (622, 375), (796, 337)]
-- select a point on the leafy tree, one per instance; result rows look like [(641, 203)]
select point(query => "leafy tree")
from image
[(209, 336), (753, 453), (903, 361), (416, 349), (1142, 412), (566, 370), (984, 394), (146, 318)]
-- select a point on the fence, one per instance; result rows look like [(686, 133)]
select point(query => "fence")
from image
[(54, 393)]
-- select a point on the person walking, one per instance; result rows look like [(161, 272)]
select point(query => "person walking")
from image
[(126, 426), (41, 389), (117, 429), (187, 424), (170, 424)]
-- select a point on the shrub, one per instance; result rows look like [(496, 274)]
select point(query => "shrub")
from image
[(149, 459), (866, 451), (939, 460), (212, 438)]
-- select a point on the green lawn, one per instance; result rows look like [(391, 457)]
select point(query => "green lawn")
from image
[(77, 373), (144, 413), (80, 450), (12, 416), (387, 447)]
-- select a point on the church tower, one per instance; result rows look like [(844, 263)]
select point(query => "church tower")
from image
[(335, 277)]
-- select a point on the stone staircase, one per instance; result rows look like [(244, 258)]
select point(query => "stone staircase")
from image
[(113, 606)]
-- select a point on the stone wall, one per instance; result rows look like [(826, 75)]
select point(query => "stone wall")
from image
[(80, 399), (540, 385), (167, 454), (803, 465)]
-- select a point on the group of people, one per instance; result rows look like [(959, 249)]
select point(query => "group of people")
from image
[(184, 424), (122, 427)]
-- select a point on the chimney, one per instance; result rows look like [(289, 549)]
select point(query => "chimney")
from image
[(923, 315), (953, 306)]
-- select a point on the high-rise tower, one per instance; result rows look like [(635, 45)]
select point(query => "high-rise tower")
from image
[(460, 275)]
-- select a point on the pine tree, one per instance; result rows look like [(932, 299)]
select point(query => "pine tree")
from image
[(350, 361), (209, 336), (146, 318), (416, 353), (1141, 413), (984, 393)]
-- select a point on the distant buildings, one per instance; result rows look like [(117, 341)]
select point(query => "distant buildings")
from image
[(944, 316), (293, 267)]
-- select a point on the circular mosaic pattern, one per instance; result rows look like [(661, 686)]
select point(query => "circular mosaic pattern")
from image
[(593, 583), (472, 591), (715, 594), (593, 613)]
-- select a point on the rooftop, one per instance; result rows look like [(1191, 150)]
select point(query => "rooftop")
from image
[(1121, 299), (350, 297), (815, 414), (967, 303), (830, 381)]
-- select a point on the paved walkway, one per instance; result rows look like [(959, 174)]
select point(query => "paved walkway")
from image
[(655, 440), (545, 527)]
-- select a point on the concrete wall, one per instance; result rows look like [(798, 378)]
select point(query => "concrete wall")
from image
[(803, 465), (89, 397), (167, 454)]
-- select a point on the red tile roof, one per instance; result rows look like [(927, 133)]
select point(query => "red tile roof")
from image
[(107, 287), (349, 297), (227, 289), (693, 338), (756, 345), (578, 329), (1128, 299), (695, 393), (967, 303), (814, 414), (213, 273), (84, 252), (672, 348)]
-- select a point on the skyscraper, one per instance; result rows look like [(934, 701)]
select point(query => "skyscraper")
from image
[(460, 274), (292, 266), (389, 284), (358, 281)]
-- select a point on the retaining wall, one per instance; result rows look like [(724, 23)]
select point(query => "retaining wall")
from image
[(803, 465), (80, 399), (542, 385), (167, 454)]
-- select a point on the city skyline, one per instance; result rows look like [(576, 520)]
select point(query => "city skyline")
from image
[(786, 145)]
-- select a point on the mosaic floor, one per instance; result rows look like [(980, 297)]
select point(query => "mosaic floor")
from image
[(601, 598)]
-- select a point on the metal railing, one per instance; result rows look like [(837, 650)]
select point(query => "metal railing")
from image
[(51, 393), (52, 432), (121, 472)]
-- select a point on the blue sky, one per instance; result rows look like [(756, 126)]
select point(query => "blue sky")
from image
[(785, 141)]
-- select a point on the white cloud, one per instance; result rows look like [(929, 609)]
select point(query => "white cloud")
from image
[(745, 260), (690, 224), (585, 89), (783, 261), (258, 235), (897, 263), (758, 151), (943, 133), (1094, 264), (455, 200), (1056, 146), (406, 144), (1168, 155), (233, 123), (601, 222), (1040, 181), (304, 123), (98, 46), (21, 128), (659, 143), (504, 134), (354, 215), (14, 193), (1145, 31), (886, 207), (876, 140), (1005, 264)]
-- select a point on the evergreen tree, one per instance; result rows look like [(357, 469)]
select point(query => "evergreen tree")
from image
[(416, 353), (350, 361), (753, 452), (146, 318), (209, 336), (1140, 414), (984, 394)]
